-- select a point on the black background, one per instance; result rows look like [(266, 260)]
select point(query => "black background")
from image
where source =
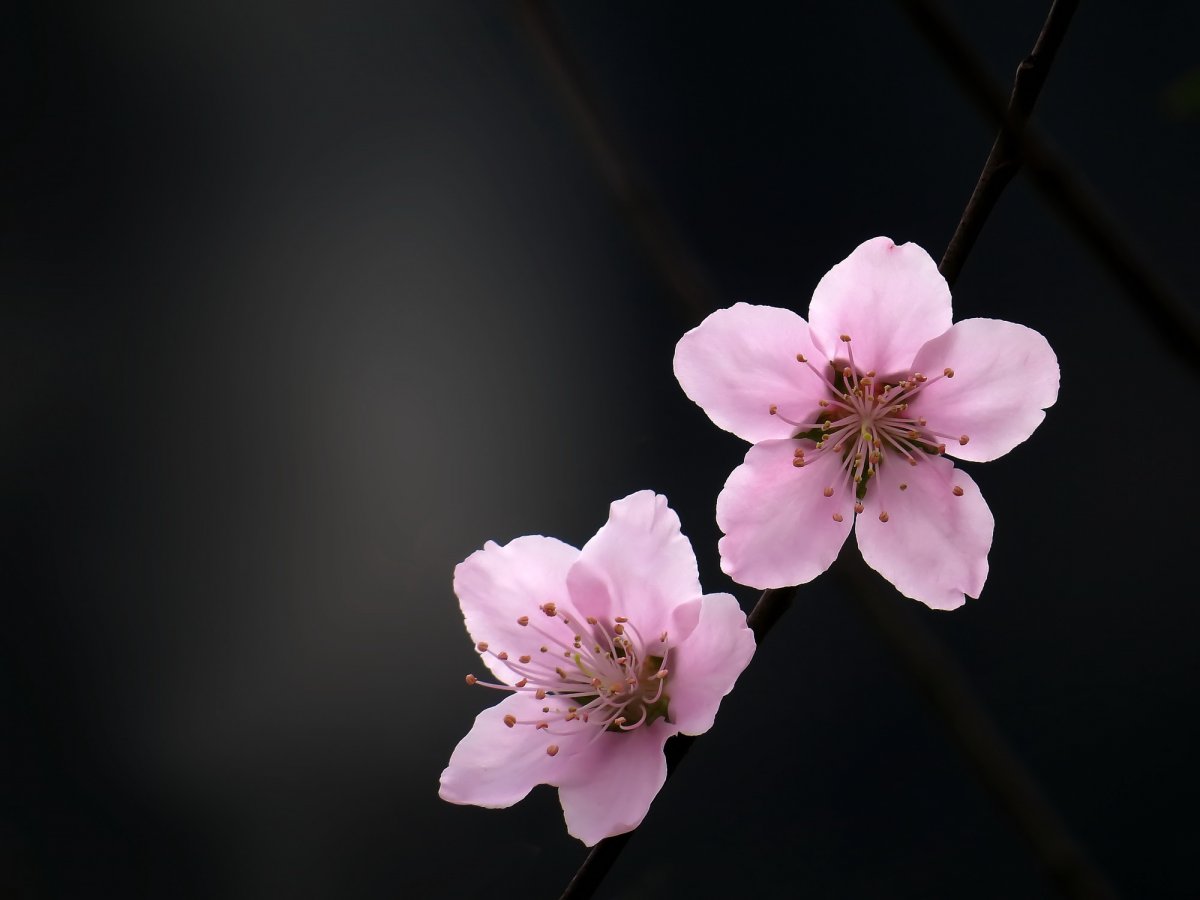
[(302, 302)]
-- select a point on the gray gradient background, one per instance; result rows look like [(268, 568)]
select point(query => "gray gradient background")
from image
[(303, 302)]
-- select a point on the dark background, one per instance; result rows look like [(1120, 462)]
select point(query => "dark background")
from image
[(302, 302)]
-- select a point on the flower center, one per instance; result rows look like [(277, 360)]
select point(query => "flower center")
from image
[(592, 674), (864, 420)]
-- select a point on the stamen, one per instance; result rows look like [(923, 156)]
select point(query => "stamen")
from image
[(471, 679)]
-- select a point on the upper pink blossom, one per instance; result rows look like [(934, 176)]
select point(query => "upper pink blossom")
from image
[(852, 415), (605, 653)]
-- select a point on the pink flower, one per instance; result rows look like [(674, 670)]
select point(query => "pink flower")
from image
[(850, 414), (605, 653)]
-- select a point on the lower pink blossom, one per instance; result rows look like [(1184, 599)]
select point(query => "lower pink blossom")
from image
[(604, 654), (852, 415)]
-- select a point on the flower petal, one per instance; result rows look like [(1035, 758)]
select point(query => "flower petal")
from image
[(499, 584), (934, 545), (704, 667), (778, 524), (639, 565), (614, 781), (890, 300), (739, 361), (1004, 376), (495, 766)]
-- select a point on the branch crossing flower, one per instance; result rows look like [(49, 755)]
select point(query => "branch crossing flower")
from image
[(604, 653), (852, 415)]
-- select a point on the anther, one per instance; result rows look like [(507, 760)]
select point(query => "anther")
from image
[(828, 492), (822, 403), (619, 628), (482, 646), (958, 491), (903, 486), (543, 649), (552, 750), (962, 439), (526, 658), (845, 338), (837, 517), (799, 451), (510, 720), (846, 372), (661, 673), (560, 673), (523, 621), (471, 679), (591, 620), (941, 448), (948, 372), (550, 609), (774, 410), (540, 693), (522, 682), (502, 655), (542, 726), (800, 357), (919, 378), (798, 462), (883, 516), (858, 507), (662, 638), (621, 619), (619, 721)]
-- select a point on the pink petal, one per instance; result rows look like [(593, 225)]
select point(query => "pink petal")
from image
[(934, 545), (778, 524), (614, 782), (739, 361), (704, 667), (1004, 376), (638, 565), (495, 766), (889, 299), (497, 585)]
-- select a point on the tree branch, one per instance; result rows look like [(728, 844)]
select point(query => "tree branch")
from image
[(1004, 160), (1174, 320)]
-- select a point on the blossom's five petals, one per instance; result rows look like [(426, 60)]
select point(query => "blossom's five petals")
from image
[(708, 662), (889, 299), (499, 584), (780, 528), (742, 360), (613, 782), (495, 766), (1004, 376), (593, 646), (934, 543), (638, 562)]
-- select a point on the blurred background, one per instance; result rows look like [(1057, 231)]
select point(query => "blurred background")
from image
[(302, 302)]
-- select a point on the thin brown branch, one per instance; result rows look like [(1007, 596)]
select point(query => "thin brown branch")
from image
[(1004, 160), (1174, 320)]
